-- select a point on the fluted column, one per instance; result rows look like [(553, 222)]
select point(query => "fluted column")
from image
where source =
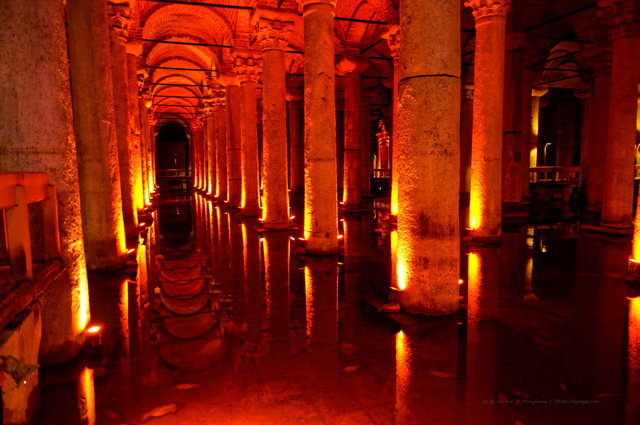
[(617, 197), (273, 28), (296, 147), (428, 164), (219, 113), (234, 143), (248, 69), (321, 199), (393, 38), (485, 208), (119, 14), (97, 148), (352, 67)]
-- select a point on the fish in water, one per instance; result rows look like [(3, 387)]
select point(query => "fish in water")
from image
[(186, 386), (165, 409)]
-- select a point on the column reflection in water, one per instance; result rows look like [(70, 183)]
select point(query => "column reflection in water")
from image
[(353, 259), (633, 363), (237, 270), (426, 362), (223, 244), (86, 397), (253, 298), (321, 292), (276, 263), (482, 306), (212, 241)]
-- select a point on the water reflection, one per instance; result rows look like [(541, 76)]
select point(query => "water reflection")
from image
[(633, 363)]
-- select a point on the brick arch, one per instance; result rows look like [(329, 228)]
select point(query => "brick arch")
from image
[(159, 53)]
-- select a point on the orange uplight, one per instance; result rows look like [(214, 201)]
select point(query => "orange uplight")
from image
[(633, 360), (460, 281), (340, 236), (93, 329)]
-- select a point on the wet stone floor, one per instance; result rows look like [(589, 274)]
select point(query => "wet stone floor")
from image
[(236, 327)]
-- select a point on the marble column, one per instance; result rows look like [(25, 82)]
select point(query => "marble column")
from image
[(536, 94), (351, 67), (485, 208), (296, 147), (119, 14), (466, 129), (273, 27), (512, 141), (97, 147), (321, 199), (219, 113), (210, 140), (37, 133), (428, 255), (617, 197), (393, 38), (234, 143), (197, 144), (248, 69), (135, 143)]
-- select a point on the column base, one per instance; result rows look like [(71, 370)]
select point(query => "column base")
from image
[(250, 212), (486, 240)]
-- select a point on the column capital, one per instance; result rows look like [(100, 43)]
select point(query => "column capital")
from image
[(352, 63), (134, 47), (539, 91), (218, 96), (622, 17), (273, 26), (119, 19), (197, 124), (229, 78), (488, 8), (393, 39), (467, 92), (247, 64)]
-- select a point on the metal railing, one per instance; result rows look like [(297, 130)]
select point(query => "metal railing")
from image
[(567, 175), (381, 173), (174, 179)]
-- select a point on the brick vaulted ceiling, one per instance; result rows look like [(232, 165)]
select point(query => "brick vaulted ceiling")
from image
[(199, 40)]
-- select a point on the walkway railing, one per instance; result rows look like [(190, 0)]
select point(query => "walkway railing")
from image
[(174, 179), (567, 175), (29, 213)]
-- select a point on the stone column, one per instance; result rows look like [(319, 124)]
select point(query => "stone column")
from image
[(234, 143), (525, 119), (536, 94), (466, 128), (248, 69), (221, 144), (352, 67), (97, 147), (429, 157), (119, 14), (320, 185), (36, 129), (393, 38), (296, 148), (135, 143), (485, 212), (197, 144), (617, 197), (210, 140), (366, 169), (273, 27), (512, 142)]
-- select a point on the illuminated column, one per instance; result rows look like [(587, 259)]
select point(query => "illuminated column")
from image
[(633, 363), (119, 15), (252, 284), (485, 208), (219, 113), (393, 38), (44, 141), (197, 143), (352, 67), (97, 147), (276, 262), (273, 27), (236, 272), (428, 165), (234, 143), (512, 142), (366, 158), (135, 143), (248, 69), (296, 148), (211, 148), (320, 180), (536, 94), (466, 128), (617, 197)]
